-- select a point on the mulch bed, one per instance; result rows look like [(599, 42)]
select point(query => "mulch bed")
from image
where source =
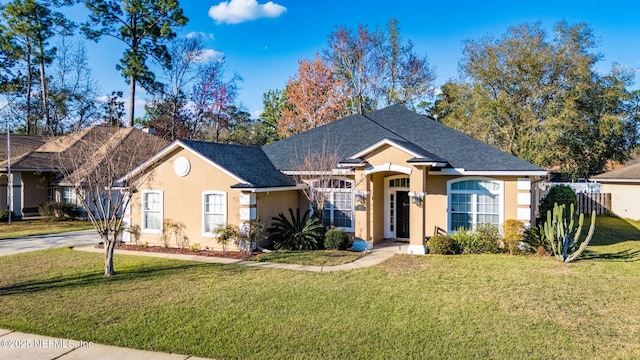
[(160, 249)]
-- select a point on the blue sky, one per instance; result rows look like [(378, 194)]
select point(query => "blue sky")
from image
[(263, 41)]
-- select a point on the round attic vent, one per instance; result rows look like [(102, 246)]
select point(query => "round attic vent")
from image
[(182, 166)]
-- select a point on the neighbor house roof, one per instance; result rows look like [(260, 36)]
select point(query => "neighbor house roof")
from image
[(629, 173), (21, 145), (38, 153), (421, 135)]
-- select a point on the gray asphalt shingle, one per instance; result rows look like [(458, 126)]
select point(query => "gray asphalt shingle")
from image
[(418, 133)]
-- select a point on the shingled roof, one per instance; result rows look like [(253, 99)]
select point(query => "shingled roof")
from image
[(248, 163), (422, 134), (629, 173), (21, 145)]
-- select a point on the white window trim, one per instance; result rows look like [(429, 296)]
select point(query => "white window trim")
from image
[(145, 230), (73, 191), (333, 191), (500, 193), (224, 213)]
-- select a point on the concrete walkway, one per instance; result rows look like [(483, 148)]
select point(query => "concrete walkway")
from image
[(17, 345), (41, 242), (380, 253)]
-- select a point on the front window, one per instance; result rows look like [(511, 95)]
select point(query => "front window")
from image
[(337, 195), (214, 211), (69, 195), (152, 211), (473, 202)]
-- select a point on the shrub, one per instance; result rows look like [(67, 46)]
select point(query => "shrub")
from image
[(299, 233), (512, 231), (442, 244), (467, 241), (561, 194), (484, 239), (336, 239), (488, 236), (250, 235), (533, 237), (225, 234), (4, 216), (55, 210)]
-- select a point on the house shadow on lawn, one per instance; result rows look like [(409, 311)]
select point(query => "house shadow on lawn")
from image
[(98, 279), (627, 255)]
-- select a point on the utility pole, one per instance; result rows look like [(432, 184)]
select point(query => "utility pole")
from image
[(9, 177)]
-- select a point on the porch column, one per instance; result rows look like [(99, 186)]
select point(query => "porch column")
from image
[(15, 181), (362, 207), (417, 210)]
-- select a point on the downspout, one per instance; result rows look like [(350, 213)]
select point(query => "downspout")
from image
[(425, 171)]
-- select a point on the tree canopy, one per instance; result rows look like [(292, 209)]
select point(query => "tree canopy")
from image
[(541, 99)]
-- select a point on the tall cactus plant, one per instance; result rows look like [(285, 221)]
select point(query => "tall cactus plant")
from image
[(563, 234)]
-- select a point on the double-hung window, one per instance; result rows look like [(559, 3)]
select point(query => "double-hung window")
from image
[(214, 212), (69, 195), (152, 211), (475, 201)]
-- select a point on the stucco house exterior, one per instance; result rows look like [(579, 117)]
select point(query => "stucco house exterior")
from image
[(397, 174), (624, 186), (33, 176)]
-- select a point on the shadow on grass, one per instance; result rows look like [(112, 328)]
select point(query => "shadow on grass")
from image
[(627, 255), (97, 278)]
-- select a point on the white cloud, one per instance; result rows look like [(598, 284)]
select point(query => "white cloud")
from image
[(199, 34), (209, 54), (237, 11)]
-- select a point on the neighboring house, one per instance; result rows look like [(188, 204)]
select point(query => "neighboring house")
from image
[(20, 147), (624, 186), (397, 174), (35, 164)]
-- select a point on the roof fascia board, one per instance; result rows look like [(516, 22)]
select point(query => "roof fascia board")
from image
[(459, 171), (616, 180), (271, 189)]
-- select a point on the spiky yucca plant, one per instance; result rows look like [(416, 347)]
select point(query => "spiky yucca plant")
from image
[(299, 233)]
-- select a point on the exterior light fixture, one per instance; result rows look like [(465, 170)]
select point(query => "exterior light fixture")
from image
[(417, 197), (361, 196)]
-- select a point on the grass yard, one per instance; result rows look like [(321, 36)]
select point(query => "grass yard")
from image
[(40, 227), (455, 307), (315, 257)]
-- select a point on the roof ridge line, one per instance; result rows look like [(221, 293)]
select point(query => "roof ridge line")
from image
[(391, 131)]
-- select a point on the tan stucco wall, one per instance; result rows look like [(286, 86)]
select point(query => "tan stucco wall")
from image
[(270, 204), (183, 197)]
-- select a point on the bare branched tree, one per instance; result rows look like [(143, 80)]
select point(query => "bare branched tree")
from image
[(93, 165), (315, 168)]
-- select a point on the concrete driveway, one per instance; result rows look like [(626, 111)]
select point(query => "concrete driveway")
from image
[(32, 243)]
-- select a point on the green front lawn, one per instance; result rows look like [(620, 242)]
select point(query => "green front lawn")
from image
[(311, 257), (464, 306), (24, 228)]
